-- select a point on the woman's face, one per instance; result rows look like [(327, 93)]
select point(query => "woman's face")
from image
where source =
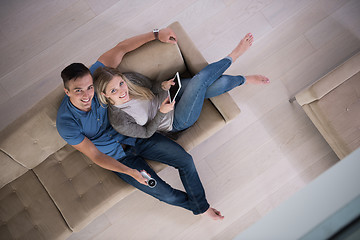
[(117, 90)]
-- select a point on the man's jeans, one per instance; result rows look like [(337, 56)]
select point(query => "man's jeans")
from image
[(209, 82), (164, 150)]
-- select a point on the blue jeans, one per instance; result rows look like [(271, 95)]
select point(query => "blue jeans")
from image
[(209, 82), (164, 150)]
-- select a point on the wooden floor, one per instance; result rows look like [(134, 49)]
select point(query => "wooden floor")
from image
[(270, 151)]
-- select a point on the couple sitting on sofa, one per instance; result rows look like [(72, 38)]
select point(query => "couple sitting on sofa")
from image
[(137, 113)]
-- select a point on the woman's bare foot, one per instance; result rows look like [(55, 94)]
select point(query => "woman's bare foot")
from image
[(256, 79), (244, 45), (214, 214)]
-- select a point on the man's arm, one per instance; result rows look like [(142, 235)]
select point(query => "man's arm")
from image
[(105, 161), (113, 57)]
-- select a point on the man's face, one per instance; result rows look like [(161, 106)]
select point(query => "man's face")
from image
[(81, 92)]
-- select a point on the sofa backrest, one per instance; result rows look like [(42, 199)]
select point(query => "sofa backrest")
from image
[(156, 60), (33, 137)]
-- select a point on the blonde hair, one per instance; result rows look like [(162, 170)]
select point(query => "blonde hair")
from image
[(104, 75)]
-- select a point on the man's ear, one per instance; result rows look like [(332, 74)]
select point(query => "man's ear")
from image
[(67, 92)]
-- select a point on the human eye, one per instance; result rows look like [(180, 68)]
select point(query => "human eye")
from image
[(113, 90), (91, 87), (121, 83)]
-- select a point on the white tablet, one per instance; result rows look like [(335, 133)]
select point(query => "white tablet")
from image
[(174, 89)]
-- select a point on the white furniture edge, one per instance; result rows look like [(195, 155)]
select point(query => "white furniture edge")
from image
[(328, 195)]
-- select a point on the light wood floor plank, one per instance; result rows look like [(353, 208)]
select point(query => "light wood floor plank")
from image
[(240, 224), (321, 62), (281, 10), (99, 7), (190, 18), (98, 225), (282, 35), (19, 17), (348, 16), (23, 48), (330, 6)]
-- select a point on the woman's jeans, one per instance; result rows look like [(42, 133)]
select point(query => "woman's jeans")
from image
[(209, 82), (164, 150)]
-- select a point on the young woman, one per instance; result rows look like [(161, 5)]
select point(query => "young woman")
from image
[(138, 107)]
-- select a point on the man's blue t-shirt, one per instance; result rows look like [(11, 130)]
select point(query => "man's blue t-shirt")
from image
[(74, 125)]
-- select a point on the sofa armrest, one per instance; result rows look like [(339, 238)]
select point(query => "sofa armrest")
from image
[(195, 61), (330, 81), (226, 105)]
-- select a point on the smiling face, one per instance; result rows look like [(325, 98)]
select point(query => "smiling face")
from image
[(117, 91), (81, 92)]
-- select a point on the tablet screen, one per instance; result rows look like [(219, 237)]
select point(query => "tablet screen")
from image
[(174, 90)]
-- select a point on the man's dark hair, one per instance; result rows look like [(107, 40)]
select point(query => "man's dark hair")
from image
[(72, 72)]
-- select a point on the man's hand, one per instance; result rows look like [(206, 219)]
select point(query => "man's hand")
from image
[(90, 150), (138, 177), (167, 35)]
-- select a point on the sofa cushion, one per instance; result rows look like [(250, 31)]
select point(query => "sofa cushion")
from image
[(10, 169), (33, 137), (156, 60), (209, 122), (80, 189), (338, 113), (27, 212)]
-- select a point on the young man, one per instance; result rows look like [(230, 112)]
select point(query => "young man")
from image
[(84, 124)]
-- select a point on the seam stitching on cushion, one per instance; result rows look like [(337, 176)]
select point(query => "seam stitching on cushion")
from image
[(57, 207)]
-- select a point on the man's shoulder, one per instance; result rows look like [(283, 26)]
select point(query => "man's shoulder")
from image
[(67, 124), (64, 113), (64, 108), (95, 66)]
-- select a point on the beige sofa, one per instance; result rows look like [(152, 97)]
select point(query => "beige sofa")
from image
[(333, 105), (48, 189)]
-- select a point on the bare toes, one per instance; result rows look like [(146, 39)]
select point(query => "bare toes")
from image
[(265, 79), (249, 38), (257, 79)]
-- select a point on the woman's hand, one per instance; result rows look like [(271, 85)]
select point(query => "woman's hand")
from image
[(166, 106), (167, 35), (166, 85)]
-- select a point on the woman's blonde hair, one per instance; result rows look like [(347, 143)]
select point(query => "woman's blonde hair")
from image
[(104, 75)]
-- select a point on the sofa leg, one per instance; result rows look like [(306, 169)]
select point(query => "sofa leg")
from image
[(291, 100)]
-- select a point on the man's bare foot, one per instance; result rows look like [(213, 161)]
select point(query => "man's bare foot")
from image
[(256, 79), (244, 45), (214, 214)]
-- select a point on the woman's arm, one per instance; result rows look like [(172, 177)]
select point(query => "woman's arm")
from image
[(126, 125)]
